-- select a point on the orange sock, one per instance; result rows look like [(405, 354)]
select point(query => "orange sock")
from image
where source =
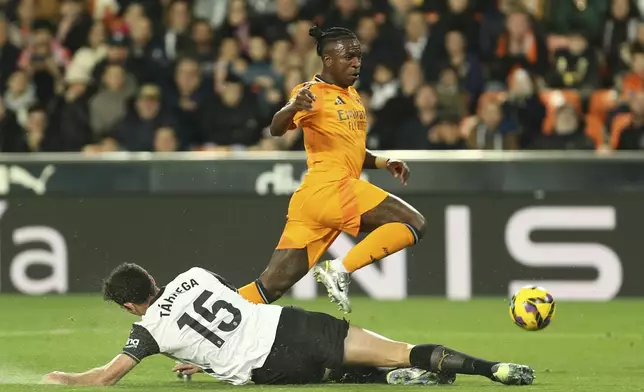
[(380, 243), (252, 294)]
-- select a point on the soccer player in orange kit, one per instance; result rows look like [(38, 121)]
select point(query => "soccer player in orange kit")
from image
[(332, 198)]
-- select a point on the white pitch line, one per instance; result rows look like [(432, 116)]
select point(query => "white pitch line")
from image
[(528, 334), (50, 332)]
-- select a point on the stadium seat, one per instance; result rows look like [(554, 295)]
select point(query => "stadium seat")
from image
[(602, 102), (620, 122), (553, 99)]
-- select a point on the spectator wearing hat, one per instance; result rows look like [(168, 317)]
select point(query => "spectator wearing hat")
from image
[(136, 131), (118, 52)]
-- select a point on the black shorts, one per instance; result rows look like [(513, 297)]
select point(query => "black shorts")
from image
[(306, 344)]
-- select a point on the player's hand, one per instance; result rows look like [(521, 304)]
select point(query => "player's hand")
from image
[(56, 378), (303, 100), (187, 369), (399, 169)]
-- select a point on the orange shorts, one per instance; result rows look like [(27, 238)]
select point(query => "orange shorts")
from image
[(318, 213)]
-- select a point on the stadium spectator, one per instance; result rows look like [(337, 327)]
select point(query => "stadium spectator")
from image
[(343, 13), (69, 113), (135, 132), (176, 38), (237, 25), (401, 106), (9, 54), (628, 49), (86, 58), (263, 47), (20, 95), (165, 140), (468, 68), (109, 104), (519, 46), (146, 55), (492, 26), (634, 80), (630, 134), (275, 26), (375, 49), (620, 27), (118, 53), (233, 119), (576, 67), (203, 47), (452, 98), (459, 16), (21, 29), (486, 131), (568, 132), (37, 135), (184, 98), (304, 48), (74, 25), (524, 107), (568, 16), (446, 135), (11, 130), (413, 134)]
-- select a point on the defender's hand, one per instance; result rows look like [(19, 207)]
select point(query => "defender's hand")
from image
[(399, 169), (186, 369), (56, 378), (303, 100)]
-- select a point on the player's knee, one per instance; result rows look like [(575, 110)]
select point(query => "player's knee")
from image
[(422, 225), (419, 224)]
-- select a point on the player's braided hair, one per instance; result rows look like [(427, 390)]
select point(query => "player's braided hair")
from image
[(332, 34)]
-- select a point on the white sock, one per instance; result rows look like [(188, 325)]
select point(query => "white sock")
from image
[(338, 265)]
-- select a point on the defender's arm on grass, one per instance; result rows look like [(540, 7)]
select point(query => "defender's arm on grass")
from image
[(397, 168), (140, 345), (109, 374)]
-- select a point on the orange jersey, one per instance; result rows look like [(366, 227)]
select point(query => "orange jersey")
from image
[(335, 131)]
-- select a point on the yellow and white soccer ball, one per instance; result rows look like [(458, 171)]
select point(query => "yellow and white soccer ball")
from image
[(532, 308)]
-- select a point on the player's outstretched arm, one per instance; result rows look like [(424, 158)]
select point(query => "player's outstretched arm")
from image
[(283, 119), (397, 168), (109, 374)]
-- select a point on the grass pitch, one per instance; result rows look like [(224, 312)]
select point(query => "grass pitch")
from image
[(589, 346)]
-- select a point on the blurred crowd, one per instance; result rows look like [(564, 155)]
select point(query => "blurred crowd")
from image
[(171, 75)]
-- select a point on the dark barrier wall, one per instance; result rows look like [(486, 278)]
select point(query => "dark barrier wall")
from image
[(484, 238)]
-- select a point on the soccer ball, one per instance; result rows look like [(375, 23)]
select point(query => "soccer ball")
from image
[(532, 308)]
